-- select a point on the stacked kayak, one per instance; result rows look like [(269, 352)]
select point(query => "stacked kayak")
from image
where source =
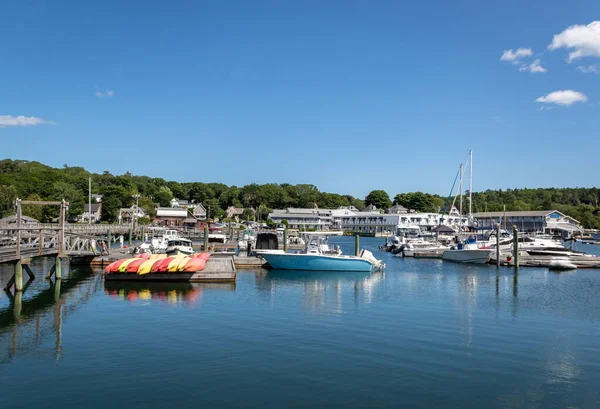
[(159, 263)]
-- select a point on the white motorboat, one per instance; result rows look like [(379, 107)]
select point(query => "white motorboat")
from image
[(159, 241), (179, 246), (216, 235), (468, 253)]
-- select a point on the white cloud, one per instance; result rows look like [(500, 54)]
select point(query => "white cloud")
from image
[(584, 40), (565, 98), (9, 120), (588, 69), (108, 93), (534, 67), (515, 56)]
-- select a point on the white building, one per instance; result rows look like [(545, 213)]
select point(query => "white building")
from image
[(351, 220)]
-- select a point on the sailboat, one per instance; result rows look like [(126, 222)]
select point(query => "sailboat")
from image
[(468, 251)]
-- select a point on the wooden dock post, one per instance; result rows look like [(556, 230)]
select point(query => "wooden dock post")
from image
[(108, 235), (285, 243), (130, 234), (498, 245), (516, 247), (18, 276), (356, 245), (206, 237), (58, 268)]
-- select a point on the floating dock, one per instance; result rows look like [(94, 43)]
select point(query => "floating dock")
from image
[(217, 270)]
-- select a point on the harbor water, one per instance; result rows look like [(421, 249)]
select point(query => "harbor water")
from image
[(422, 334)]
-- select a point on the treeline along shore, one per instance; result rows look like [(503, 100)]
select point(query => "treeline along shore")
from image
[(36, 181)]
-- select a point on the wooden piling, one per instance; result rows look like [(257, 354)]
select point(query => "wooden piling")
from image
[(498, 245), (18, 276), (516, 247), (285, 243), (205, 237), (356, 245), (130, 234), (58, 268)]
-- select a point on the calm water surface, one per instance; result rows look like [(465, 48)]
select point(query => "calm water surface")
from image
[(424, 334)]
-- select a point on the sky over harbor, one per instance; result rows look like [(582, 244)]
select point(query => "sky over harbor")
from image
[(349, 96)]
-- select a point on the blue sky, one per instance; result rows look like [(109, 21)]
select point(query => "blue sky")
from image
[(349, 96)]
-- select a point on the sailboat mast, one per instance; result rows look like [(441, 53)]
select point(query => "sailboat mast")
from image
[(470, 184), (461, 194)]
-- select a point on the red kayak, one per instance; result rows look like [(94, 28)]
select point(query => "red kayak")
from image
[(116, 265), (195, 264), (203, 256), (109, 267), (162, 266), (134, 265)]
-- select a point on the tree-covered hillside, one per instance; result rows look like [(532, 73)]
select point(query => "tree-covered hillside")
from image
[(35, 181)]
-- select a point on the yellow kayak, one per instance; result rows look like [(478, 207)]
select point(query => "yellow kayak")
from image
[(124, 264), (182, 264), (174, 264), (146, 266), (157, 256)]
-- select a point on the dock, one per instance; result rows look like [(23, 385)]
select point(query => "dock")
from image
[(217, 270)]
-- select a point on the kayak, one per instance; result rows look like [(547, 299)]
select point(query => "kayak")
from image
[(146, 266), (203, 256), (124, 264), (162, 266), (134, 266), (116, 264), (195, 264), (182, 263), (174, 264)]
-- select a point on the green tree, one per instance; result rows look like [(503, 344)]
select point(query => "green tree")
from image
[(8, 194), (35, 211), (378, 198), (164, 196)]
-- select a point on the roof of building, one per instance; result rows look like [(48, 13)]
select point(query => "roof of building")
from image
[(13, 219), (95, 207), (520, 213), (172, 212), (199, 208), (316, 215)]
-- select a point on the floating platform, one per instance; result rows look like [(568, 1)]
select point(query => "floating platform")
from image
[(217, 270), (249, 262)]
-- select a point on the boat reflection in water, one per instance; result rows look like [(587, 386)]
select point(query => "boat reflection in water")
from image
[(322, 290), (172, 293)]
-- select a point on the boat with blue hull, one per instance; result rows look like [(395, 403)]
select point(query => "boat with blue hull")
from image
[(317, 262), (319, 256)]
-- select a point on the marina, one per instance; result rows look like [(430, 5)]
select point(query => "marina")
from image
[(417, 320)]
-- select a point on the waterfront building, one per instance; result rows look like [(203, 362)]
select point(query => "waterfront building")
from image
[(351, 220), (176, 217), (199, 212), (94, 213), (546, 221), (297, 218)]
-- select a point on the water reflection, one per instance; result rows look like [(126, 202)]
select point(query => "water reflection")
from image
[(321, 289), (171, 293), (30, 317)]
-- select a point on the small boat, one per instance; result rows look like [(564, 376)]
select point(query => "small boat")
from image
[(216, 235), (316, 258), (468, 253), (179, 246)]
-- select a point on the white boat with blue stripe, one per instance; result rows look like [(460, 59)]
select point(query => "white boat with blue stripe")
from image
[(319, 256)]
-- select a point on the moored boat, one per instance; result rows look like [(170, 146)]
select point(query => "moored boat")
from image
[(316, 258)]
